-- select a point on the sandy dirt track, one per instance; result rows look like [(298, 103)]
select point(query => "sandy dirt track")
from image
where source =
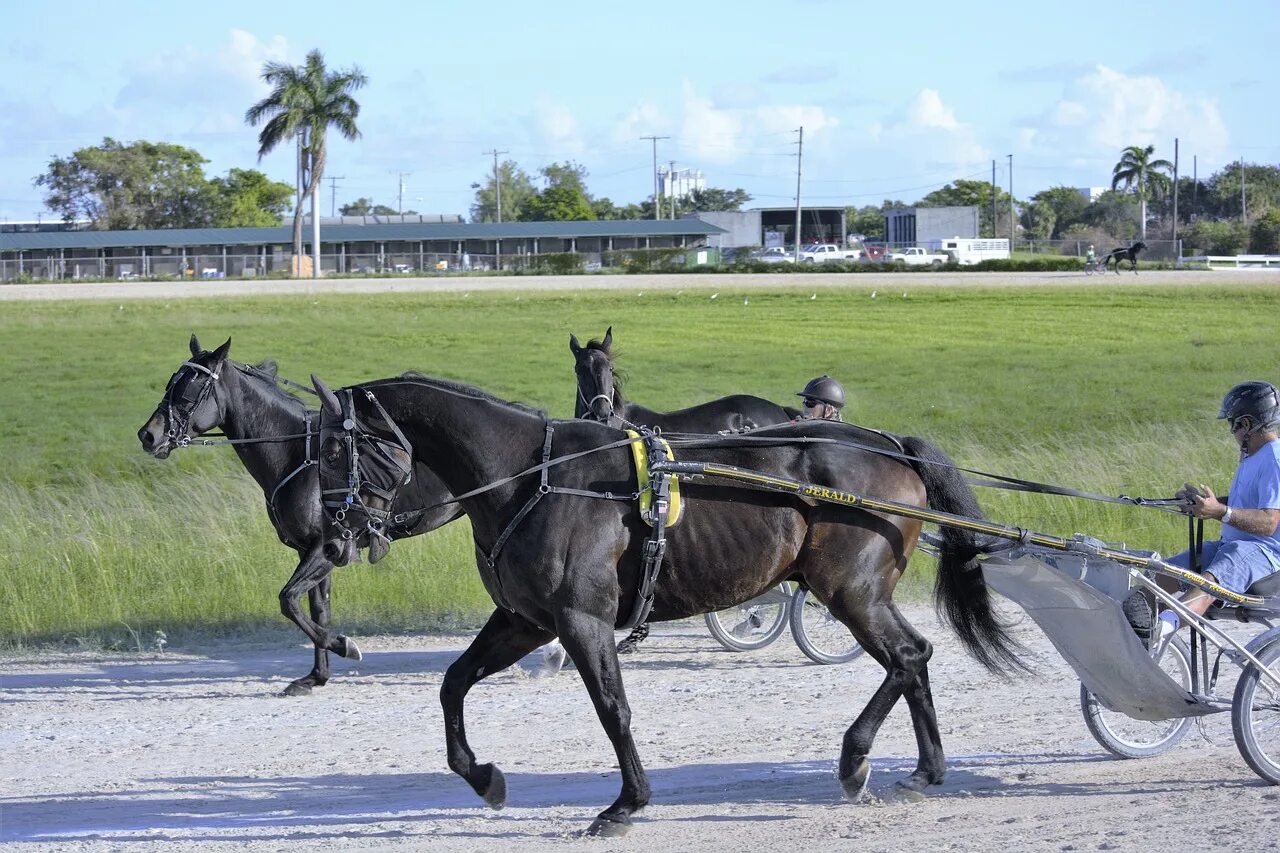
[(175, 289), (183, 750)]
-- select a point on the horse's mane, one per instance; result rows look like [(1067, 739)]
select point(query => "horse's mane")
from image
[(268, 372), (469, 391), (619, 373)]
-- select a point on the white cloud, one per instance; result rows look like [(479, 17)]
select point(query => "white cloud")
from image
[(556, 129), (928, 132), (644, 120), (721, 135), (1103, 111), (192, 79)]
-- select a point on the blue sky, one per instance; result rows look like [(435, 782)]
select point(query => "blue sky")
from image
[(895, 100)]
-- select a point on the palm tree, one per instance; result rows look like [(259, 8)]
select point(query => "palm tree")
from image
[(306, 100), (1146, 177)]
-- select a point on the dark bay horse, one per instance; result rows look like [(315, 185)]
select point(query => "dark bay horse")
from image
[(599, 398), (568, 566), (212, 391), (1124, 253)]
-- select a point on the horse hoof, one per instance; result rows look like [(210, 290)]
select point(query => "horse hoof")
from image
[(297, 688), (350, 649), (604, 827), (855, 784), (494, 792), (908, 792)]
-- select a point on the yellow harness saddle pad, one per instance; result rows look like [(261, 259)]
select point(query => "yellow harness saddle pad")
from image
[(640, 455)]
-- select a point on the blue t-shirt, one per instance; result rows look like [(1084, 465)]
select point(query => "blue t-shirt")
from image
[(1256, 485)]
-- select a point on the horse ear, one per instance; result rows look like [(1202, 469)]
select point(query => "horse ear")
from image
[(608, 338), (221, 352), (574, 346), (329, 399), (196, 349)]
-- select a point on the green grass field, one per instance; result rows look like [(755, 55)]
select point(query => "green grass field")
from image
[(1107, 389)]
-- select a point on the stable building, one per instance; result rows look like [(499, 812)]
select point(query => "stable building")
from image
[(775, 226), (918, 226), (428, 244)]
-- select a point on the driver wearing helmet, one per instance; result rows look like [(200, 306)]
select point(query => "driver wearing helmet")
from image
[(1249, 549), (823, 398)]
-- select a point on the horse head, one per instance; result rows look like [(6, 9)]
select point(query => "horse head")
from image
[(593, 365), (190, 405), (361, 472)]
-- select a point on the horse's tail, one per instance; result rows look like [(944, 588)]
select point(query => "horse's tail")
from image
[(960, 591)]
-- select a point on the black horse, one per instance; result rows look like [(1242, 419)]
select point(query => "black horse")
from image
[(567, 564), (600, 398), (1124, 253), (212, 391)]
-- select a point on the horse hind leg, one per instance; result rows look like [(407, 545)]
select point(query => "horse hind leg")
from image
[(904, 654)]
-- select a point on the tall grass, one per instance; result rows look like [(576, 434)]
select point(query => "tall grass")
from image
[(1108, 389)]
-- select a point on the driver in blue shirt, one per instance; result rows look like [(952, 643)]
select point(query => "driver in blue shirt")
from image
[(1249, 549)]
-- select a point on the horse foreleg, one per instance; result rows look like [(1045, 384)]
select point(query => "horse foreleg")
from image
[(318, 599), (505, 638), (589, 642), (312, 571)]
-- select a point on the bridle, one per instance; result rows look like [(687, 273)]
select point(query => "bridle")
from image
[(366, 454), (608, 399), (179, 421)]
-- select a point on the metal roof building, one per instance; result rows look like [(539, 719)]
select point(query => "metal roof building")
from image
[(344, 247)]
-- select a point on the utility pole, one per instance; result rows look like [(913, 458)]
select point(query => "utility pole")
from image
[(994, 193), (400, 203), (799, 161), (1012, 221), (1195, 186), (333, 193), (671, 185), (1244, 219), (497, 183), (1175, 197), (657, 204)]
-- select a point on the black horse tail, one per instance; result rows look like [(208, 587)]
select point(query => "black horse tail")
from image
[(960, 591)]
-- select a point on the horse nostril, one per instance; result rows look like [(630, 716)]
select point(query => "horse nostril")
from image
[(144, 435)]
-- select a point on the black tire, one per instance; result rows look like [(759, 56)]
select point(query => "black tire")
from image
[(822, 637), (753, 624), (1255, 716), (1126, 737)]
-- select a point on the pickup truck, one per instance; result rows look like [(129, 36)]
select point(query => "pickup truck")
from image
[(821, 252), (916, 257)]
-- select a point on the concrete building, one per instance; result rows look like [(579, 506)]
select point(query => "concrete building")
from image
[(775, 226), (919, 225)]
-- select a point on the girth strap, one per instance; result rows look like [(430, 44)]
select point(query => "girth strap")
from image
[(655, 545)]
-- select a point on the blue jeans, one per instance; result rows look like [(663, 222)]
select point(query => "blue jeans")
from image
[(1237, 564)]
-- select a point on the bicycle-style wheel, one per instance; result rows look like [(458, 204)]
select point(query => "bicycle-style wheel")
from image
[(1125, 737), (822, 637), (1255, 716), (753, 624)]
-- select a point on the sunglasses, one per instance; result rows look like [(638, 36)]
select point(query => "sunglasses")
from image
[(810, 403)]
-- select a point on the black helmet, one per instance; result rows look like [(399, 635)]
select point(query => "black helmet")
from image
[(826, 389), (1259, 400)]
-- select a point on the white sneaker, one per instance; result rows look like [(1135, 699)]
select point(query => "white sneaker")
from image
[(1161, 635), (553, 657)]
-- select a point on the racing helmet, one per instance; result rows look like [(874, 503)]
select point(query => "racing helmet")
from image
[(826, 389), (1259, 400)]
